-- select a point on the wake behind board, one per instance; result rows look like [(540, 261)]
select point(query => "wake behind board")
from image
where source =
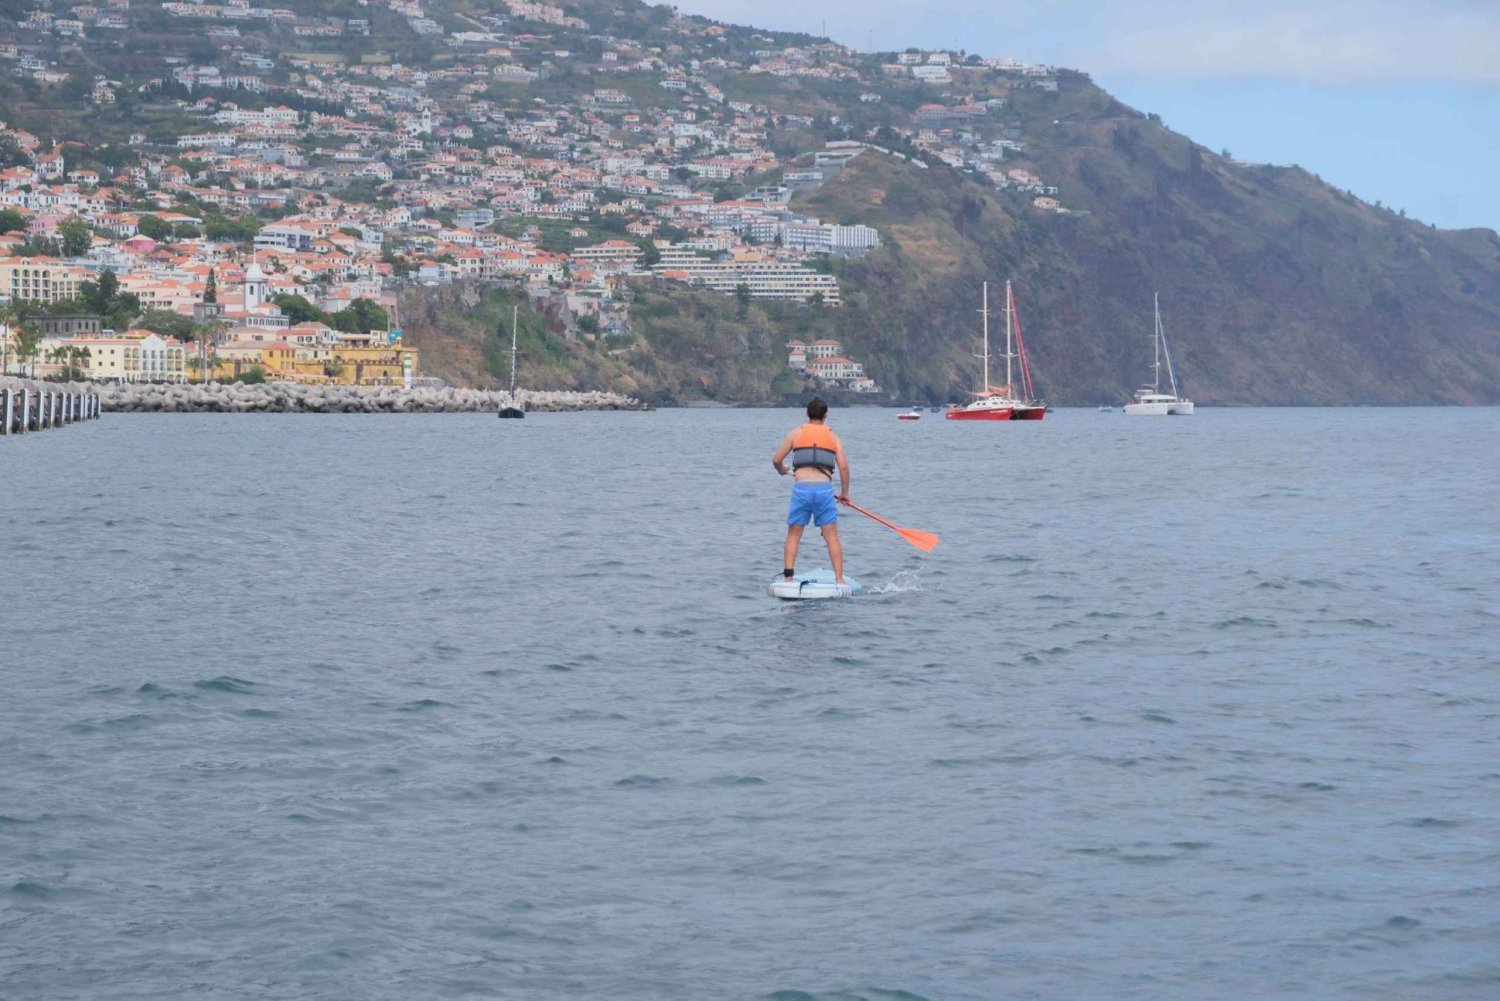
[(813, 584)]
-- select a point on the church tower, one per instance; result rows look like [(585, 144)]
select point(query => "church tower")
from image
[(255, 286)]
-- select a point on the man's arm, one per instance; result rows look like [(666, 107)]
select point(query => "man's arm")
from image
[(781, 453), (843, 474)]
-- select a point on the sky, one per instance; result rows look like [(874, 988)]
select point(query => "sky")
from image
[(1396, 101)]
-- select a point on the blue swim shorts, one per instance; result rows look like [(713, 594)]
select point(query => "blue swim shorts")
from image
[(812, 501)]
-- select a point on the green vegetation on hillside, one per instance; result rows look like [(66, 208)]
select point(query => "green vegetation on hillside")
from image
[(685, 346)]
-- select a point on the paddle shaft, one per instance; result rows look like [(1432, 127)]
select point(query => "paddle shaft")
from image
[(873, 515), (924, 541)]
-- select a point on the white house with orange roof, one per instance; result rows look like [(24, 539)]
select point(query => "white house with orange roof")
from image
[(50, 165), (467, 263), (159, 292), (119, 224), (16, 177)]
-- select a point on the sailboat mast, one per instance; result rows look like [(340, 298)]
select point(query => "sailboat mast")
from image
[(515, 310), (1156, 340), (985, 312), (1166, 351), (1009, 350)]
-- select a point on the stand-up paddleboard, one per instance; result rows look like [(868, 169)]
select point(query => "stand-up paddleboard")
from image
[(813, 584)]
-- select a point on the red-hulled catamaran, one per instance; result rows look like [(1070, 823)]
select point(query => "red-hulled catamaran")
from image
[(1000, 403)]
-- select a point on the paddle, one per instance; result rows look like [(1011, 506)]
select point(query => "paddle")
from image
[(925, 541)]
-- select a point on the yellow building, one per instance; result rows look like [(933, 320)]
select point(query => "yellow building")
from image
[(343, 365), (277, 359), (347, 365)]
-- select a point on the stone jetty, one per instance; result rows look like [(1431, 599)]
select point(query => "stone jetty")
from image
[(30, 405), (288, 397)]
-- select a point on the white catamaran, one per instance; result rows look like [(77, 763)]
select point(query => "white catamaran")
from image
[(1150, 400)]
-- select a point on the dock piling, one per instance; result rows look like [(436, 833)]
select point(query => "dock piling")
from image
[(28, 407)]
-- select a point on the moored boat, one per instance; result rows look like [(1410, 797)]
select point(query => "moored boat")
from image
[(1152, 401), (1000, 403), (914, 414), (512, 411), (984, 408)]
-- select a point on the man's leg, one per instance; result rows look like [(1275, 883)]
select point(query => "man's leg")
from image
[(793, 539), (835, 551)]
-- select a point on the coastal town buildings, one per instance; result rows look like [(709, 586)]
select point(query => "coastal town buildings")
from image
[(303, 170)]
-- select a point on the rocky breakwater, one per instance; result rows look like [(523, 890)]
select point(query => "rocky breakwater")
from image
[(287, 397)]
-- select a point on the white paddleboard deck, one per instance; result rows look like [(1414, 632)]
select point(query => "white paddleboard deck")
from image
[(813, 584)]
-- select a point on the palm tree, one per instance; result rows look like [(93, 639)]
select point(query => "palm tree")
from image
[(203, 335), (28, 338), (71, 357), (78, 358), (12, 315)]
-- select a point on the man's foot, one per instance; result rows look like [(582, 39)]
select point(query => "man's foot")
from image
[(788, 573)]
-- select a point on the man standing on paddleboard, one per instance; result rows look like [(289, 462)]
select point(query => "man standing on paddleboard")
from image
[(816, 451)]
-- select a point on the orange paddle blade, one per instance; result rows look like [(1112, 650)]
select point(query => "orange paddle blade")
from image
[(925, 541)]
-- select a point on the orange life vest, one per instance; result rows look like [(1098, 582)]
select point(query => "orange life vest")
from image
[(816, 447)]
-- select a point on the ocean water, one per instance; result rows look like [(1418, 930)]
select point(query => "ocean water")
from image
[(444, 706)]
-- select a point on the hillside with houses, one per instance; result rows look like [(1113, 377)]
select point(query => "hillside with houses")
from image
[(680, 209)]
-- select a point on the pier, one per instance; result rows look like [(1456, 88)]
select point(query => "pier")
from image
[(32, 405), (27, 405), (295, 398)]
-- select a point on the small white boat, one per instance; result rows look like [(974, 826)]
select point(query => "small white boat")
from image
[(1151, 401), (914, 414)]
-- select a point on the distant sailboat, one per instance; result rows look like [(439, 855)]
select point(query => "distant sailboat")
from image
[(1000, 403), (512, 410), (1150, 401)]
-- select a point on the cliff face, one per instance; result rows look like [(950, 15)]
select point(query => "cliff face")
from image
[(1276, 288)]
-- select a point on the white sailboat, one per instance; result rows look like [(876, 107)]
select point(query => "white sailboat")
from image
[(1150, 401), (513, 411)]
